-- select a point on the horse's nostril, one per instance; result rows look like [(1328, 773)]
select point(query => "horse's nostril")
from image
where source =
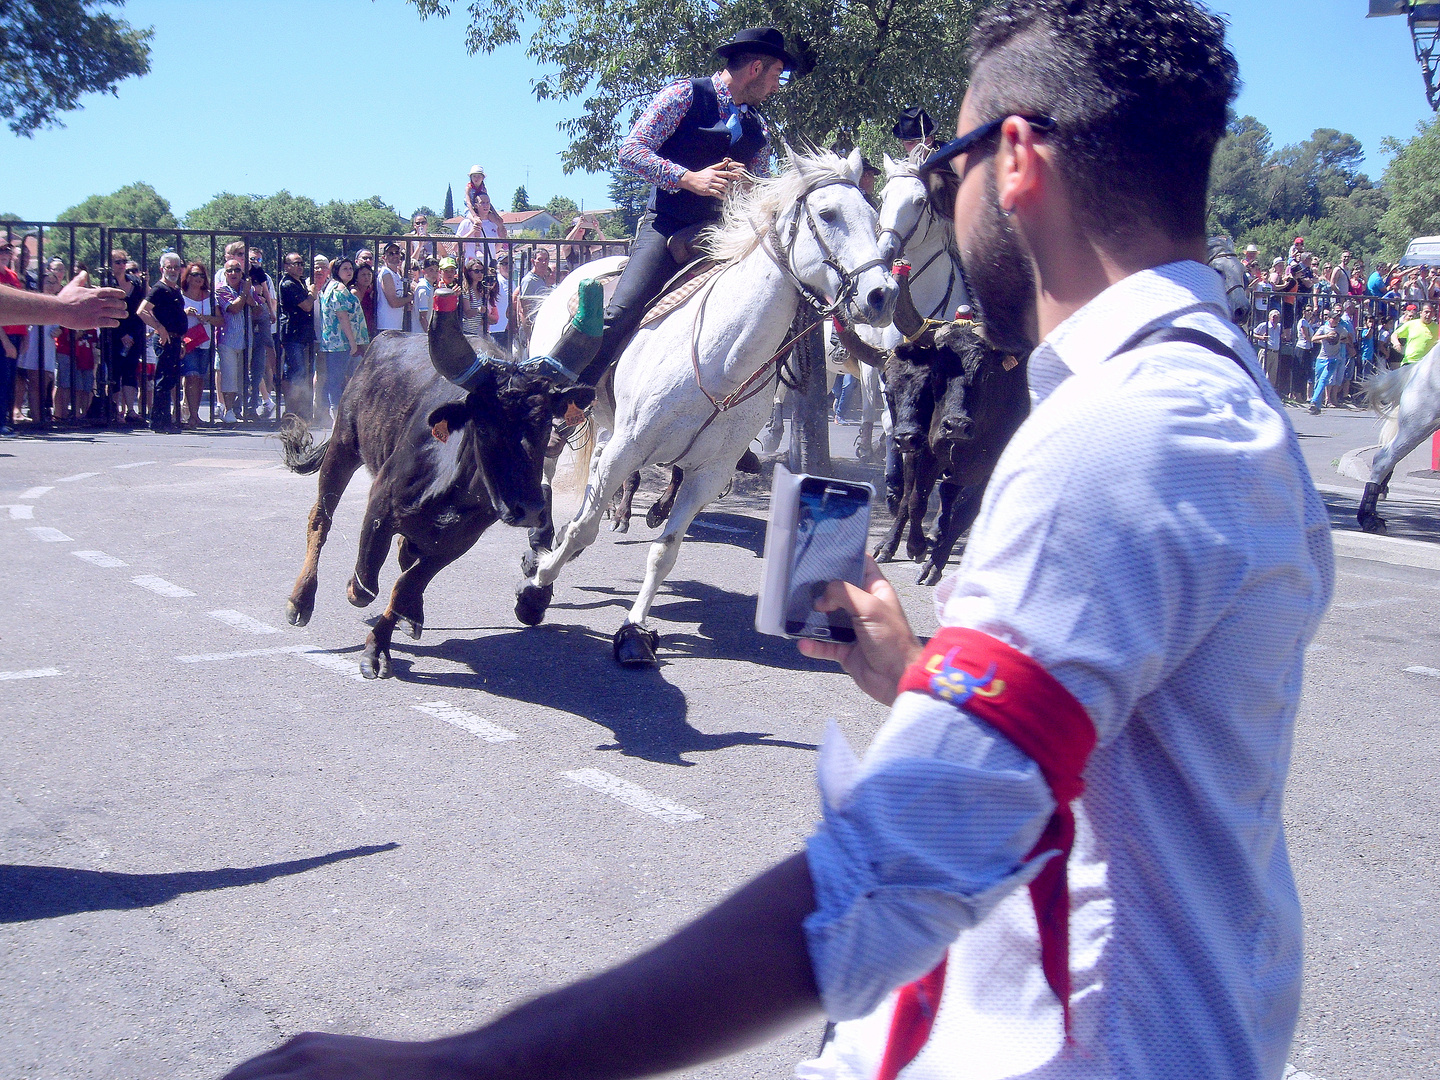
[(876, 299)]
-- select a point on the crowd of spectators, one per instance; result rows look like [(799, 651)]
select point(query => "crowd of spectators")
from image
[(1324, 327)]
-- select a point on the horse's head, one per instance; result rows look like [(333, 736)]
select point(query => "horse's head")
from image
[(829, 238), (904, 209), (1231, 269)]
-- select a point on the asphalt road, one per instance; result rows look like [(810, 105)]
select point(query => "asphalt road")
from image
[(215, 835)]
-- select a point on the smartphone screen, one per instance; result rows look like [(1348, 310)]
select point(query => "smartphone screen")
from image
[(831, 529)]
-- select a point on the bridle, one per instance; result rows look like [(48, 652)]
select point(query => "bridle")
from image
[(849, 279), (1227, 252), (926, 214)]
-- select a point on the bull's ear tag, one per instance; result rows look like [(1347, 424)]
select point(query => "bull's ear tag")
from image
[(441, 430), (1009, 363), (573, 416)]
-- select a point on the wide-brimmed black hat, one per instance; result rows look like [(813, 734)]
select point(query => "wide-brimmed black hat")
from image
[(758, 39), (914, 123)]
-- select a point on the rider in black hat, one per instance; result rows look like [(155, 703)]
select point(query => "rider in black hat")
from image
[(915, 128), (693, 140)]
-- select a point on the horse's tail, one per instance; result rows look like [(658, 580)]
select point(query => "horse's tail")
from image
[(301, 454), (1383, 389), (584, 451)]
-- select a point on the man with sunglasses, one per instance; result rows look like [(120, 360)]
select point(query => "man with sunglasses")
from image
[(1065, 846)]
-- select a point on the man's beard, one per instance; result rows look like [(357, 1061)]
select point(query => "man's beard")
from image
[(1000, 277)]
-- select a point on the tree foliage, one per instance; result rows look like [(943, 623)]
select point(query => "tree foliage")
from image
[(287, 213), (137, 205), (1412, 180), (449, 201), (520, 202), (563, 209), (630, 195), (52, 52), (863, 60)]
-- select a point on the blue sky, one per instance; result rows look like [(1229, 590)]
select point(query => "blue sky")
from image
[(352, 98)]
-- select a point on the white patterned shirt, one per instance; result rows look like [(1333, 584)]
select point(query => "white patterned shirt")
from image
[(1151, 536)]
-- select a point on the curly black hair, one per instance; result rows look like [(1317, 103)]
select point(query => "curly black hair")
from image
[(1139, 90)]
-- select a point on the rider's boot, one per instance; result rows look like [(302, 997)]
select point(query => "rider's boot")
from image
[(864, 441), (771, 432)]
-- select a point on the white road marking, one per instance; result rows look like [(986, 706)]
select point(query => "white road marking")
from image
[(77, 476), (47, 535), (161, 586), (35, 492), (33, 673), (240, 621), (203, 658), (1379, 601), (132, 464), (21, 512), (484, 729), (714, 524), (341, 665), (632, 795), (1434, 673), (99, 558)]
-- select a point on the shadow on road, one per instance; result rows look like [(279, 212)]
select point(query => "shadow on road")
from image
[(1403, 518), (48, 892)]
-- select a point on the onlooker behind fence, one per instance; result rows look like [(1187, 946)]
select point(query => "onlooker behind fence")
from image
[(1417, 336), (364, 257), (260, 371), (232, 301), (480, 217), (1375, 284), (500, 325), (319, 275), (37, 360), (297, 331), (1340, 276), (537, 284), (343, 334), (391, 302), (1374, 346), (420, 226), (364, 287), (1268, 336), (1332, 339), (1305, 345), (163, 310), (202, 322), (449, 273), (477, 298), (12, 341), (234, 251), (1251, 263), (424, 298), (74, 372)]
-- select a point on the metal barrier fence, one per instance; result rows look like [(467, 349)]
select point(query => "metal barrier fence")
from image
[(87, 246)]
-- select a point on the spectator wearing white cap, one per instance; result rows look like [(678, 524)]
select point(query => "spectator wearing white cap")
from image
[(481, 218), (1252, 263)]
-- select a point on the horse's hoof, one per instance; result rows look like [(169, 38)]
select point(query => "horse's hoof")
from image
[(358, 594), (413, 627), (294, 615), (657, 515), (620, 525), (635, 646), (531, 601), (1373, 523), (748, 463)]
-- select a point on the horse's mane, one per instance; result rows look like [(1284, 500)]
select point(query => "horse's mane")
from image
[(754, 206)]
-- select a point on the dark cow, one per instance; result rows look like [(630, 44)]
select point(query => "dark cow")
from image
[(955, 402), (447, 464)]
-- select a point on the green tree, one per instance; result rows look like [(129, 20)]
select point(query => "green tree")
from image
[(630, 195), (520, 201), (135, 205), (1238, 181), (859, 60), (52, 52), (449, 202), (562, 209), (1412, 180)]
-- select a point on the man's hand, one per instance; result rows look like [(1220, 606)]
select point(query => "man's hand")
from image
[(90, 309), (884, 643), (313, 1056), (714, 181)]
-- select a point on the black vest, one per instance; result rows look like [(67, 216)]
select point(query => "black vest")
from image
[(702, 140)]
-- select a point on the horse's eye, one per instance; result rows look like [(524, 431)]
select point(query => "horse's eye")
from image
[(828, 216)]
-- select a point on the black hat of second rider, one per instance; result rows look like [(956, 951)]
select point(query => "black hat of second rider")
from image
[(765, 40), (914, 123)]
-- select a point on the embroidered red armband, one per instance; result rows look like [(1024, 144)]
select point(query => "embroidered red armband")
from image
[(1025, 703)]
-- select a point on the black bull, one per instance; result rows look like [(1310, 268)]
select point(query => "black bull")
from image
[(447, 465), (954, 406)]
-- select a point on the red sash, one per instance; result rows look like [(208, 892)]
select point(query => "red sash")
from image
[(1025, 703)]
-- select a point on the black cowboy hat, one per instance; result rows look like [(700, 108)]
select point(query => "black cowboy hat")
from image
[(758, 39), (914, 123)]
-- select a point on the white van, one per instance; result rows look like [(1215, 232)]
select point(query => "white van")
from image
[(1423, 251)]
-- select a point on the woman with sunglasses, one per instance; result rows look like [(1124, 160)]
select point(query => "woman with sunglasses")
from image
[(199, 358), (343, 334), (364, 288), (477, 299)]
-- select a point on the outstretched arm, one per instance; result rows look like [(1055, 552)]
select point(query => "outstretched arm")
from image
[(733, 978), (76, 307)]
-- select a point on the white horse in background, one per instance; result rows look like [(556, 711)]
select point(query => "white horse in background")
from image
[(693, 388), (1409, 399)]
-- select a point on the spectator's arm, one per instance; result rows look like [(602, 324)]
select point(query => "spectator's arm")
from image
[(347, 329), (146, 312), (387, 286), (76, 307)]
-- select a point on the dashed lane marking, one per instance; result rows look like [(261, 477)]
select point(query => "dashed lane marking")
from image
[(99, 558), (77, 476), (160, 586), (47, 535), (633, 795), (240, 621), (132, 464), (21, 512), (341, 665), (487, 730), (243, 654), (1416, 669), (33, 673), (35, 492)]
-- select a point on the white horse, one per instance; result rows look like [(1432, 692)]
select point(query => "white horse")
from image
[(692, 389), (1409, 399)]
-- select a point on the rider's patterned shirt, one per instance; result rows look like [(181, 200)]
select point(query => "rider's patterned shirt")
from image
[(639, 151), (1152, 537)]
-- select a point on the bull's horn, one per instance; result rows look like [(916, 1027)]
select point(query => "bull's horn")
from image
[(451, 355), (856, 346), (581, 340), (907, 319)]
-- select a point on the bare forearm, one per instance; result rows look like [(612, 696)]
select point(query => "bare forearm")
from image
[(733, 978)]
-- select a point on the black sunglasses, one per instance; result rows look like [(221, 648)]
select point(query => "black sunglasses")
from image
[(942, 181)]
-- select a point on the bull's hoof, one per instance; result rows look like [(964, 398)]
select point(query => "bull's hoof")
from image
[(884, 553), (916, 553), (930, 574), (294, 615), (657, 515), (1372, 523), (635, 646), (620, 525), (375, 662), (531, 601), (748, 463), (358, 594), (413, 627)]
